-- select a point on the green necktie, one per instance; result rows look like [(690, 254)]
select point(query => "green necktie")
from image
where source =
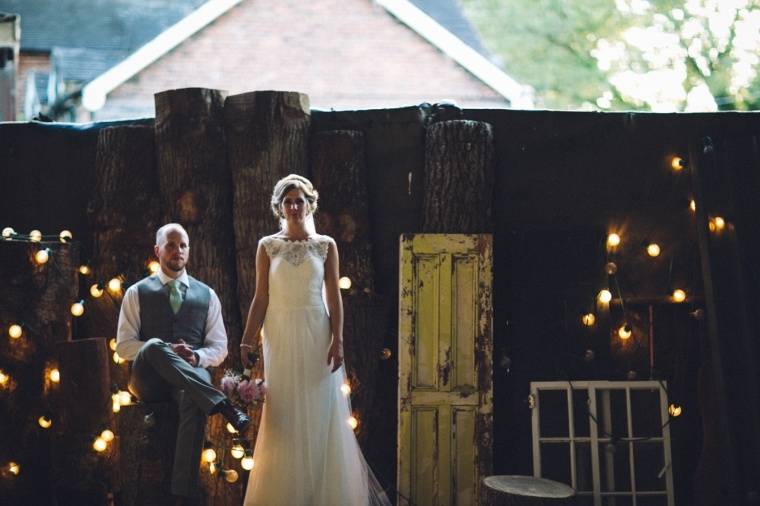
[(175, 295)]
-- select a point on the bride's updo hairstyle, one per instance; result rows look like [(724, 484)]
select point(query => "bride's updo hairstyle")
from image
[(293, 182)]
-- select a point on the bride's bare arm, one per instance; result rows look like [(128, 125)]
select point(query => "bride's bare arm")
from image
[(334, 306), (258, 309)]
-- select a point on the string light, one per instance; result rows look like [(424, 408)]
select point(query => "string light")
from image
[(345, 388), (154, 266), (8, 232), (65, 236), (35, 236), (653, 250), (230, 475), (96, 291), (209, 454), (112, 344), (247, 461), (588, 319), (125, 398), (677, 163), (99, 445), (231, 429), (117, 358), (42, 256), (14, 468), (107, 435), (679, 295), (610, 268), (4, 378), (237, 451), (15, 331), (77, 308), (625, 332), (55, 375), (604, 296), (719, 223), (212, 467), (674, 410), (85, 270), (353, 422), (613, 240), (344, 283), (114, 286), (693, 205), (45, 422), (115, 404), (385, 354)]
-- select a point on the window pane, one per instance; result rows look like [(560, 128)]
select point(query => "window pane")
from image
[(614, 469), (581, 420), (583, 475), (553, 406), (555, 462), (652, 500), (611, 413), (617, 501), (649, 461), (645, 406)]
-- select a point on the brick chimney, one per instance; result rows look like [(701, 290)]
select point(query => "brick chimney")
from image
[(10, 34)]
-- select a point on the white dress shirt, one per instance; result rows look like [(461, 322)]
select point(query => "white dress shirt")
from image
[(128, 342)]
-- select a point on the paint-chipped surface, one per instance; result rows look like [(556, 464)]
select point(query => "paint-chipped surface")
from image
[(445, 364)]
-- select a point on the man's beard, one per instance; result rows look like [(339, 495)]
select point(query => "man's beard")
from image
[(176, 266)]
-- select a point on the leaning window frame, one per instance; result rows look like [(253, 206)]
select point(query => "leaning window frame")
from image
[(592, 387)]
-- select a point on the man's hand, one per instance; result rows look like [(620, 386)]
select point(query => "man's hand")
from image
[(184, 351)]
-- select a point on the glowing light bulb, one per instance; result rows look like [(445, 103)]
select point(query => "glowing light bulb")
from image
[(231, 429), (114, 286), (345, 388), (107, 435), (230, 475), (35, 236), (679, 295), (610, 268), (85, 270), (209, 455), (604, 296), (344, 283), (674, 410), (115, 404), (99, 444), (125, 398), (352, 422), (96, 291), (720, 223), (588, 319), (237, 451), (77, 308), (212, 467), (613, 240), (45, 422), (8, 232), (693, 205), (247, 461), (42, 256), (653, 250), (117, 358), (65, 236), (14, 468), (112, 344), (385, 354), (624, 332), (55, 375), (154, 266), (4, 379), (15, 331), (677, 163)]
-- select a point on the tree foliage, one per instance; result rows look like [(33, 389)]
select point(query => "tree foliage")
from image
[(664, 55)]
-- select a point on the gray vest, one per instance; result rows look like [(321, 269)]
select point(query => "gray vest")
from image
[(158, 320)]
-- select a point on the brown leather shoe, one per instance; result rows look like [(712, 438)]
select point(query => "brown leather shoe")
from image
[(232, 414)]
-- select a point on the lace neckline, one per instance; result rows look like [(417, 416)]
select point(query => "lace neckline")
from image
[(284, 239)]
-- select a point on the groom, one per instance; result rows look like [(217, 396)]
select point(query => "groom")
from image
[(171, 327)]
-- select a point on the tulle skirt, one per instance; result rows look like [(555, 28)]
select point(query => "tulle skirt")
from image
[(306, 453)]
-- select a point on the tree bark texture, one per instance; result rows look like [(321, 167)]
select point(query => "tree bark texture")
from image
[(84, 411), (267, 135), (195, 184), (146, 438), (37, 297), (459, 177), (339, 173), (526, 491), (124, 215)]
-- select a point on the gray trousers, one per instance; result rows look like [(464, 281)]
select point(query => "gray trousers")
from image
[(159, 374)]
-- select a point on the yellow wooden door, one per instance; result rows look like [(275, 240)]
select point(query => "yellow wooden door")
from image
[(445, 390)]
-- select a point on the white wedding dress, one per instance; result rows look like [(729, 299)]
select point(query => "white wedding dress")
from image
[(306, 453)]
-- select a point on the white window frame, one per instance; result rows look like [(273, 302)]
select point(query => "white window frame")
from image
[(592, 387)]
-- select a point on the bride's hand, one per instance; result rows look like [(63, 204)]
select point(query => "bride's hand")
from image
[(335, 355), (245, 349)]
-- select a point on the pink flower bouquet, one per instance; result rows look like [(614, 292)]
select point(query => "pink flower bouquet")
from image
[(242, 390)]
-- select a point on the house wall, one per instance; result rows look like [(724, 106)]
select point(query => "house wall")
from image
[(343, 54), (28, 63)]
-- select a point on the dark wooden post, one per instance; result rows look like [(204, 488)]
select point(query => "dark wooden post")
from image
[(459, 177), (195, 184), (123, 215), (267, 135)]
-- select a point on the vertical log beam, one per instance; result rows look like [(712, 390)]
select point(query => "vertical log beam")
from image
[(195, 184), (267, 135), (459, 177)]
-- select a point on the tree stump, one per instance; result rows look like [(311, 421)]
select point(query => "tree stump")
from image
[(195, 184), (459, 177), (267, 134), (339, 173), (84, 412), (123, 215), (147, 433), (526, 491)]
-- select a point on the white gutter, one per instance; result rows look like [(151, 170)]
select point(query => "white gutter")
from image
[(95, 92), (519, 96)]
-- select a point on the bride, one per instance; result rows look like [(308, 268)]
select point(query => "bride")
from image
[(306, 452)]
